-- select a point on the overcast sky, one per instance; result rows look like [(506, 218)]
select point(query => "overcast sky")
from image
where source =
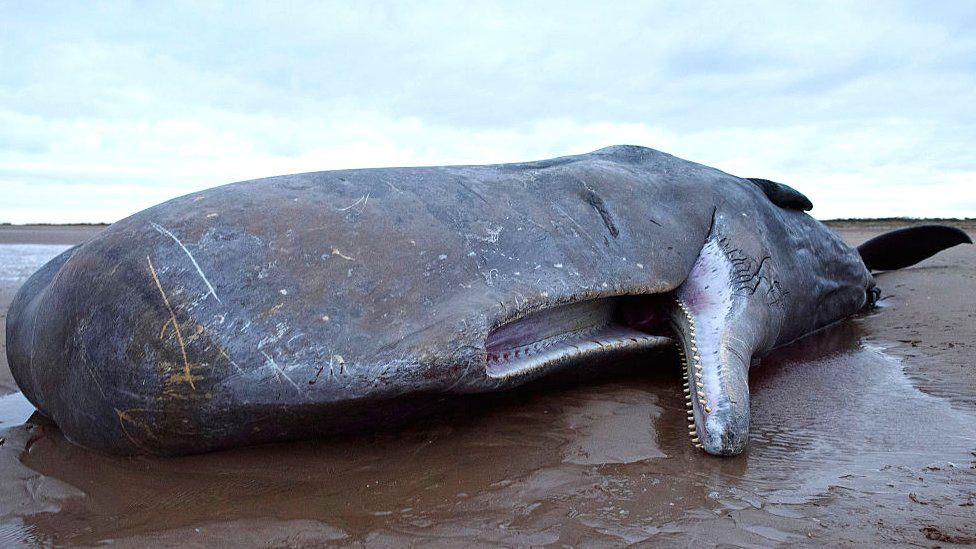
[(867, 107)]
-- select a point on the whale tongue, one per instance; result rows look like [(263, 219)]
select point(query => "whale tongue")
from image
[(718, 328)]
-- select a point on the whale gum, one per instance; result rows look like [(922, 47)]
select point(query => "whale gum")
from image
[(861, 433)]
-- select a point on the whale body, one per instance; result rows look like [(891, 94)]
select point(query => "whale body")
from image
[(308, 304)]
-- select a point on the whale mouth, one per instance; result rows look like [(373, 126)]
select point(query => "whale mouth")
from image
[(595, 328)]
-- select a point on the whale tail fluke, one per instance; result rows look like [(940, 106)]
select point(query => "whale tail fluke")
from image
[(906, 247)]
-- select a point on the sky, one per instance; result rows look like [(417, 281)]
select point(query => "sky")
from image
[(869, 108)]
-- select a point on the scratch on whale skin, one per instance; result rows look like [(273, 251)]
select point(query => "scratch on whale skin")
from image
[(162, 331), (281, 373), (91, 371), (125, 416), (162, 230), (335, 251), (176, 325), (231, 361), (362, 200)]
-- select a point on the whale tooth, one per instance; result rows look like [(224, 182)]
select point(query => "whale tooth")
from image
[(708, 409), (696, 440), (701, 394)]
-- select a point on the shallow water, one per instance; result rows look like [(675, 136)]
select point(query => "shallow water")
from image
[(607, 462), (19, 261), (15, 409)]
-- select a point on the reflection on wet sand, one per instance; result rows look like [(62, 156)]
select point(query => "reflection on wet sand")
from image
[(605, 462)]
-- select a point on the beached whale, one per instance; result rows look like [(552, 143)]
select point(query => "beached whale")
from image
[(306, 304)]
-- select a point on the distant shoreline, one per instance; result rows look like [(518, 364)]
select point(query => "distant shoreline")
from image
[(48, 233), (895, 222)]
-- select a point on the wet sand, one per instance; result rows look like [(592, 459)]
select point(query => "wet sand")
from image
[(864, 433), (48, 234)]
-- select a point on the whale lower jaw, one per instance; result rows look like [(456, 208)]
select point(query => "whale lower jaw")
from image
[(565, 334), (575, 347)]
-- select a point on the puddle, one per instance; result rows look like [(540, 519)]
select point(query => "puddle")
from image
[(19, 261), (15, 409)]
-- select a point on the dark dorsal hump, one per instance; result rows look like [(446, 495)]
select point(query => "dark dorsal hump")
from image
[(782, 195), (908, 246)]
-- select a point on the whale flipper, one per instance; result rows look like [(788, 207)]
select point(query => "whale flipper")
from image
[(906, 247)]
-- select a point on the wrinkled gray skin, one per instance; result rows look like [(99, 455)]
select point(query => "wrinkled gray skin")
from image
[(306, 304)]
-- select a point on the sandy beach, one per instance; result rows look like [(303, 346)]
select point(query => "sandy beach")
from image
[(863, 433)]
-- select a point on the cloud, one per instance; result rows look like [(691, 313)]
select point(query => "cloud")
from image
[(106, 110)]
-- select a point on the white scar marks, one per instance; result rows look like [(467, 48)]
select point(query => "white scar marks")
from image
[(362, 200), (280, 372), (162, 230)]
